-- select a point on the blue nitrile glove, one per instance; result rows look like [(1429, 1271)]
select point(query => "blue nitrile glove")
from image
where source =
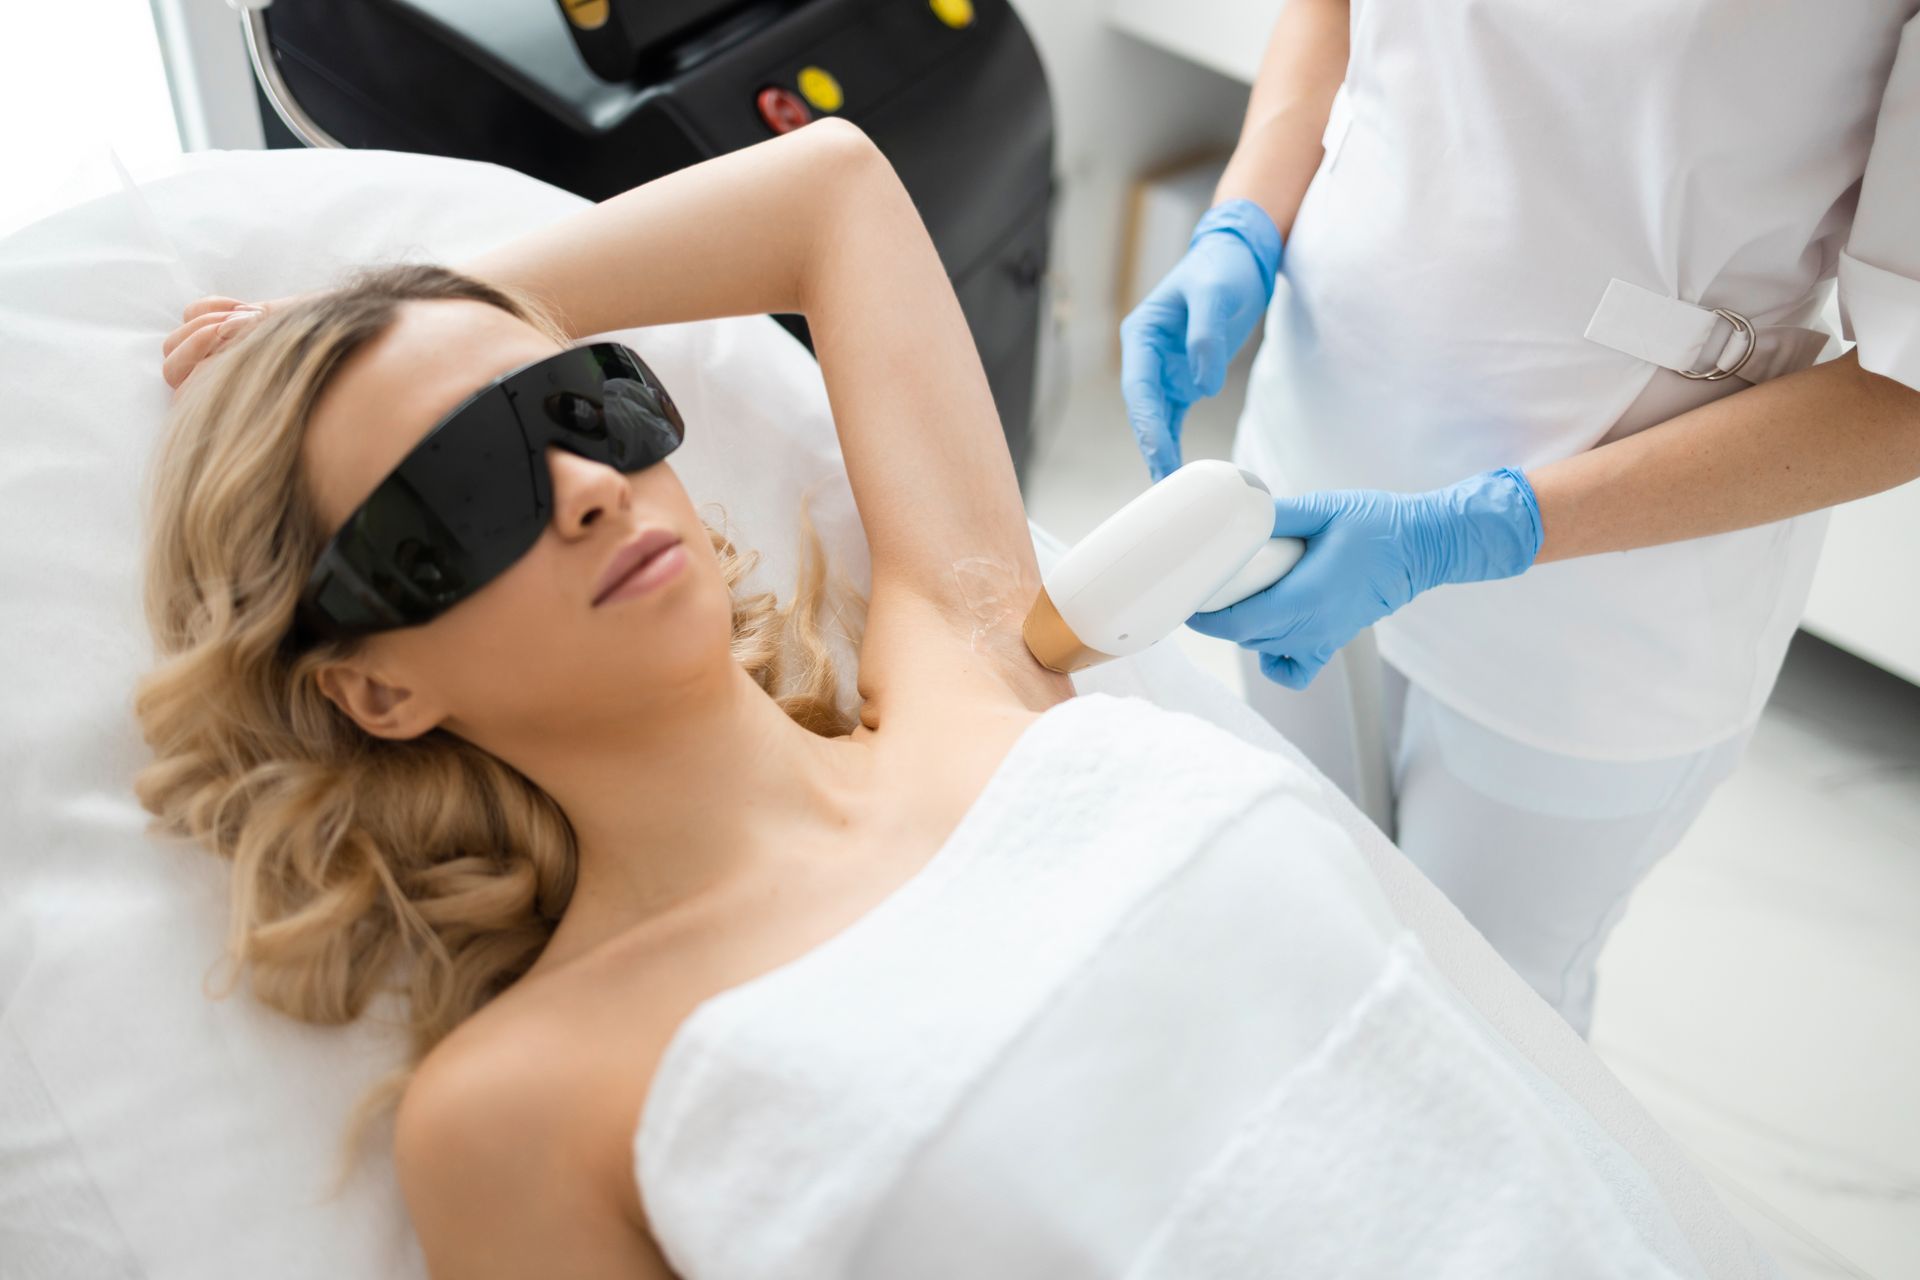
[(1368, 553), (1176, 345)]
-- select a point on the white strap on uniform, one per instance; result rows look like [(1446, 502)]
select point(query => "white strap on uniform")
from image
[(1339, 120), (1699, 342)]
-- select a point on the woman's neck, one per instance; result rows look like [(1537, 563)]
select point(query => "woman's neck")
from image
[(710, 786)]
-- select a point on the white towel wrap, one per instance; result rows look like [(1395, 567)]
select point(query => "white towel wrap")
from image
[(1146, 1014)]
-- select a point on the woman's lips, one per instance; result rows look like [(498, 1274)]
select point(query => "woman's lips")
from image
[(630, 556), (655, 570)]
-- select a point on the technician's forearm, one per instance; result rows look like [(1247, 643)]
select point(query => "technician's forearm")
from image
[(1279, 147), (1798, 443), (728, 236)]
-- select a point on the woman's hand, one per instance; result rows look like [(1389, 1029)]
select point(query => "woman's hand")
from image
[(205, 327)]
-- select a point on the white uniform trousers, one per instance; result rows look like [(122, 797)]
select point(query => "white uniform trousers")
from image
[(1539, 851)]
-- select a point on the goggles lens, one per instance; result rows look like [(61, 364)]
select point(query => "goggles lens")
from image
[(476, 491)]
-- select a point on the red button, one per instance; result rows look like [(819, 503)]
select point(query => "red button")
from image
[(782, 110)]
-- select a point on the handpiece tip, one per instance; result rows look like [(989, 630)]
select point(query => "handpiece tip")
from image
[(1053, 643)]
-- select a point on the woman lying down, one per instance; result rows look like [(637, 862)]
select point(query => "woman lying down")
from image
[(704, 978)]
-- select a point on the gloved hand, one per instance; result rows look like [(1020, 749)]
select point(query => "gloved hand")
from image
[(1176, 345), (1368, 553)]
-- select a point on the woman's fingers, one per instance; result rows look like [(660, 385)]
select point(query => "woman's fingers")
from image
[(212, 302), (181, 333), (210, 310), (206, 325), (202, 343), (208, 314), (187, 354)]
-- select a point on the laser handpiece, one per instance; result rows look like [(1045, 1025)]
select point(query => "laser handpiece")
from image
[(1199, 540)]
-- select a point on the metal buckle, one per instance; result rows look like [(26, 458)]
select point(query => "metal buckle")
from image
[(1741, 325)]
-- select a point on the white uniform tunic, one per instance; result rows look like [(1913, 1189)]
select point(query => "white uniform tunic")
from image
[(1493, 168)]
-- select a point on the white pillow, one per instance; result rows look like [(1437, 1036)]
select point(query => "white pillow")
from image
[(149, 1131)]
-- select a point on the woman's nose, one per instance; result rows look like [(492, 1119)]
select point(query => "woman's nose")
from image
[(583, 489)]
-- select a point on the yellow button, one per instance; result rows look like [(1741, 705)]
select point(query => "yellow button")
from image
[(588, 15), (955, 13), (821, 89)]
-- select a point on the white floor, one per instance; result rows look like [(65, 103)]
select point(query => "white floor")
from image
[(1762, 996)]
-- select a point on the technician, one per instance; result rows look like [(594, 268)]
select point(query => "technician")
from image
[(1545, 322)]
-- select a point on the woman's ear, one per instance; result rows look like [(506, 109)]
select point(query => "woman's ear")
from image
[(383, 710)]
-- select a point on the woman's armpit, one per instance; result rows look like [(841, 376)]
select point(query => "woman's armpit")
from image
[(963, 624), (993, 594)]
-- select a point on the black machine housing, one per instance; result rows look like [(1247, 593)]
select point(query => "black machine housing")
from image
[(962, 113)]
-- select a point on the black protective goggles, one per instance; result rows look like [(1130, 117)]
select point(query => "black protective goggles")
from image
[(476, 492)]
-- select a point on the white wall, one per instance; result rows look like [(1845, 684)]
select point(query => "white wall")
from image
[(1121, 108), (69, 90)]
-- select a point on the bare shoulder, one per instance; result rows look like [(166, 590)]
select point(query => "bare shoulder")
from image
[(511, 1156)]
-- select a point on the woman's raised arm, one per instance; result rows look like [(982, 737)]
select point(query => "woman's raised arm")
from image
[(816, 221)]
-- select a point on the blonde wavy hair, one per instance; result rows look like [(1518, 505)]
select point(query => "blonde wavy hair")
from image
[(427, 868)]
